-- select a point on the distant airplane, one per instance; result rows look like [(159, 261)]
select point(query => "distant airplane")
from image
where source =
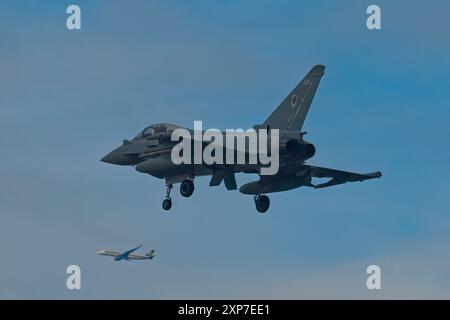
[(150, 152), (127, 255)]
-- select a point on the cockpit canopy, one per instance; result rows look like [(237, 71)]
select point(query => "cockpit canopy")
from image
[(156, 129)]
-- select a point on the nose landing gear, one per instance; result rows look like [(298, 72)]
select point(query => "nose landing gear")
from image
[(186, 190), (167, 203), (262, 202)]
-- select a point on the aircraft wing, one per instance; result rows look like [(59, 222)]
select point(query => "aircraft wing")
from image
[(339, 177), (127, 253), (135, 256), (109, 253)]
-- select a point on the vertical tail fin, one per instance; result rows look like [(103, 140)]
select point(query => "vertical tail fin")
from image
[(291, 113), (151, 254)]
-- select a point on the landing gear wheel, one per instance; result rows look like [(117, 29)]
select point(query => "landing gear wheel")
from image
[(262, 203), (187, 188), (167, 204)]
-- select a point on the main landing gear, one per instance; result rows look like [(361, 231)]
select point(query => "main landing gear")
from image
[(186, 190), (262, 203)]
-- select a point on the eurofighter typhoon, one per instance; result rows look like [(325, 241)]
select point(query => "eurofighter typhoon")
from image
[(153, 152)]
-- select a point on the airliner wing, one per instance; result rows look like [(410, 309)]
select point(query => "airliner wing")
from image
[(110, 253), (127, 253), (135, 256)]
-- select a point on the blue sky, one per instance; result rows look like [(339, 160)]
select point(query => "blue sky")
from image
[(68, 97)]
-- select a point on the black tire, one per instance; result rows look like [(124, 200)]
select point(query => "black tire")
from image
[(187, 188), (167, 204), (262, 204)]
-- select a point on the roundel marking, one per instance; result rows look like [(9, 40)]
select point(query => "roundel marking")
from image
[(293, 101)]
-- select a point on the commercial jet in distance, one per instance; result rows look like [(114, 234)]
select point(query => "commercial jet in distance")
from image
[(127, 255), (150, 152)]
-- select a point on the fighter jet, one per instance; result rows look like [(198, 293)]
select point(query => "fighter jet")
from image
[(127, 255), (150, 152)]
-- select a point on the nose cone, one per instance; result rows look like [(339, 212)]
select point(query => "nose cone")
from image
[(110, 158), (116, 157)]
